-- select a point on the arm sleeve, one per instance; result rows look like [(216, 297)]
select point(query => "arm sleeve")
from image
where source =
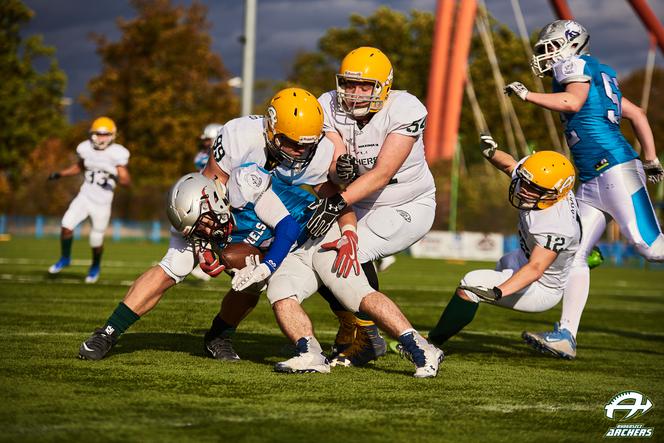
[(123, 157), (571, 70), (286, 233), (247, 184), (407, 115)]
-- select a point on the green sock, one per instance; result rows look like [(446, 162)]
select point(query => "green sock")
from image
[(121, 319), (457, 314), (65, 246), (96, 256)]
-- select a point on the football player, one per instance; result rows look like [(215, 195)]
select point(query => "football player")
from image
[(206, 139), (532, 278), (613, 178), (104, 165), (379, 156), (250, 188), (288, 141)]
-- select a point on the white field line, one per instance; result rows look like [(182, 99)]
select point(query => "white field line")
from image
[(75, 262)]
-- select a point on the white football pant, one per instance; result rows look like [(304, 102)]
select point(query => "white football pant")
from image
[(385, 230), (81, 208), (620, 193), (533, 298)]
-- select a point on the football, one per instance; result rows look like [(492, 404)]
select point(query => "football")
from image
[(233, 255)]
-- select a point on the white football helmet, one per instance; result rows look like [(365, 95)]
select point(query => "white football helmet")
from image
[(211, 131), (198, 208), (557, 41)]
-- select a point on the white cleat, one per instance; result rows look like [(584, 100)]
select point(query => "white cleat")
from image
[(309, 358), (426, 357)]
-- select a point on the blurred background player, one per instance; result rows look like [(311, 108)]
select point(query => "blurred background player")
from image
[(104, 164), (206, 140), (613, 178), (379, 156), (532, 278)]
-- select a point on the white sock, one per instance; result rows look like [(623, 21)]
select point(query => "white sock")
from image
[(574, 300)]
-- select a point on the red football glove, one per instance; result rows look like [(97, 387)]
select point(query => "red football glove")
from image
[(209, 262), (346, 248)]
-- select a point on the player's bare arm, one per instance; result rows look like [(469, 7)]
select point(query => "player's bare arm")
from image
[(124, 178), (500, 159), (570, 100), (637, 117), (213, 170), (540, 259), (393, 154), (69, 171)]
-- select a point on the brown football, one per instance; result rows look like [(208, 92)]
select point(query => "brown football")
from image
[(233, 255)]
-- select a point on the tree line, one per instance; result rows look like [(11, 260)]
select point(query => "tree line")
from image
[(161, 82)]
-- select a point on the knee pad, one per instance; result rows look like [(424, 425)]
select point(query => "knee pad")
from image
[(96, 238)]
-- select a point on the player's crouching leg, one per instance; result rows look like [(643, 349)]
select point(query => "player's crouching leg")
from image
[(412, 345)]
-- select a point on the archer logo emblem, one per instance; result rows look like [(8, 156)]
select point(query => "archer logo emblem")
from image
[(632, 403), (624, 406)]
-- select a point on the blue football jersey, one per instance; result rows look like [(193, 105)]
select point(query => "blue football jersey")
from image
[(250, 229), (593, 134)]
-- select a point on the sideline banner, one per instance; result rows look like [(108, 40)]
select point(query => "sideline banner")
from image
[(459, 246)]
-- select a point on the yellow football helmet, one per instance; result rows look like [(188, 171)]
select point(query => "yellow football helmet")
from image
[(364, 65), (542, 180), (293, 127), (102, 132)]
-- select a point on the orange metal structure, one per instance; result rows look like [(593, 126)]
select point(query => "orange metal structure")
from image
[(437, 77), (457, 76)]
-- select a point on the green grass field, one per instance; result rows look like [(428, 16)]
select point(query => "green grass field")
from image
[(156, 385)]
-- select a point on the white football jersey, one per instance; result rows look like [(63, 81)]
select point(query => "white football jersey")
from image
[(100, 170), (243, 141), (402, 113), (556, 228)]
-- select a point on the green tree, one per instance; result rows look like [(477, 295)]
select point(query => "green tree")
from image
[(30, 100), (161, 83)]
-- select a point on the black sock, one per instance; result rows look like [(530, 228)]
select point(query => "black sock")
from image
[(220, 328), (65, 246), (457, 315), (331, 299), (121, 319), (96, 256)]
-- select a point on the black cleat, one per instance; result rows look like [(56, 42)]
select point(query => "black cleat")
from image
[(97, 346), (221, 348)]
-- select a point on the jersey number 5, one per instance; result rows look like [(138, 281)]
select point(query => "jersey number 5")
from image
[(611, 90)]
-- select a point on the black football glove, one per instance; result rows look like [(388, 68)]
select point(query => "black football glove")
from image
[(326, 212), (488, 146), (486, 294), (54, 176), (347, 168)]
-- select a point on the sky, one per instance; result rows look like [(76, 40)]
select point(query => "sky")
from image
[(285, 27)]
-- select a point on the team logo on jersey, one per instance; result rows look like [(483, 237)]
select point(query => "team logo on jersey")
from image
[(404, 214), (625, 406), (253, 180), (603, 163), (569, 67)]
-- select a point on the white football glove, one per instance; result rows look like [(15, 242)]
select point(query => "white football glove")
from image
[(488, 145), (518, 89), (653, 170), (253, 272)]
